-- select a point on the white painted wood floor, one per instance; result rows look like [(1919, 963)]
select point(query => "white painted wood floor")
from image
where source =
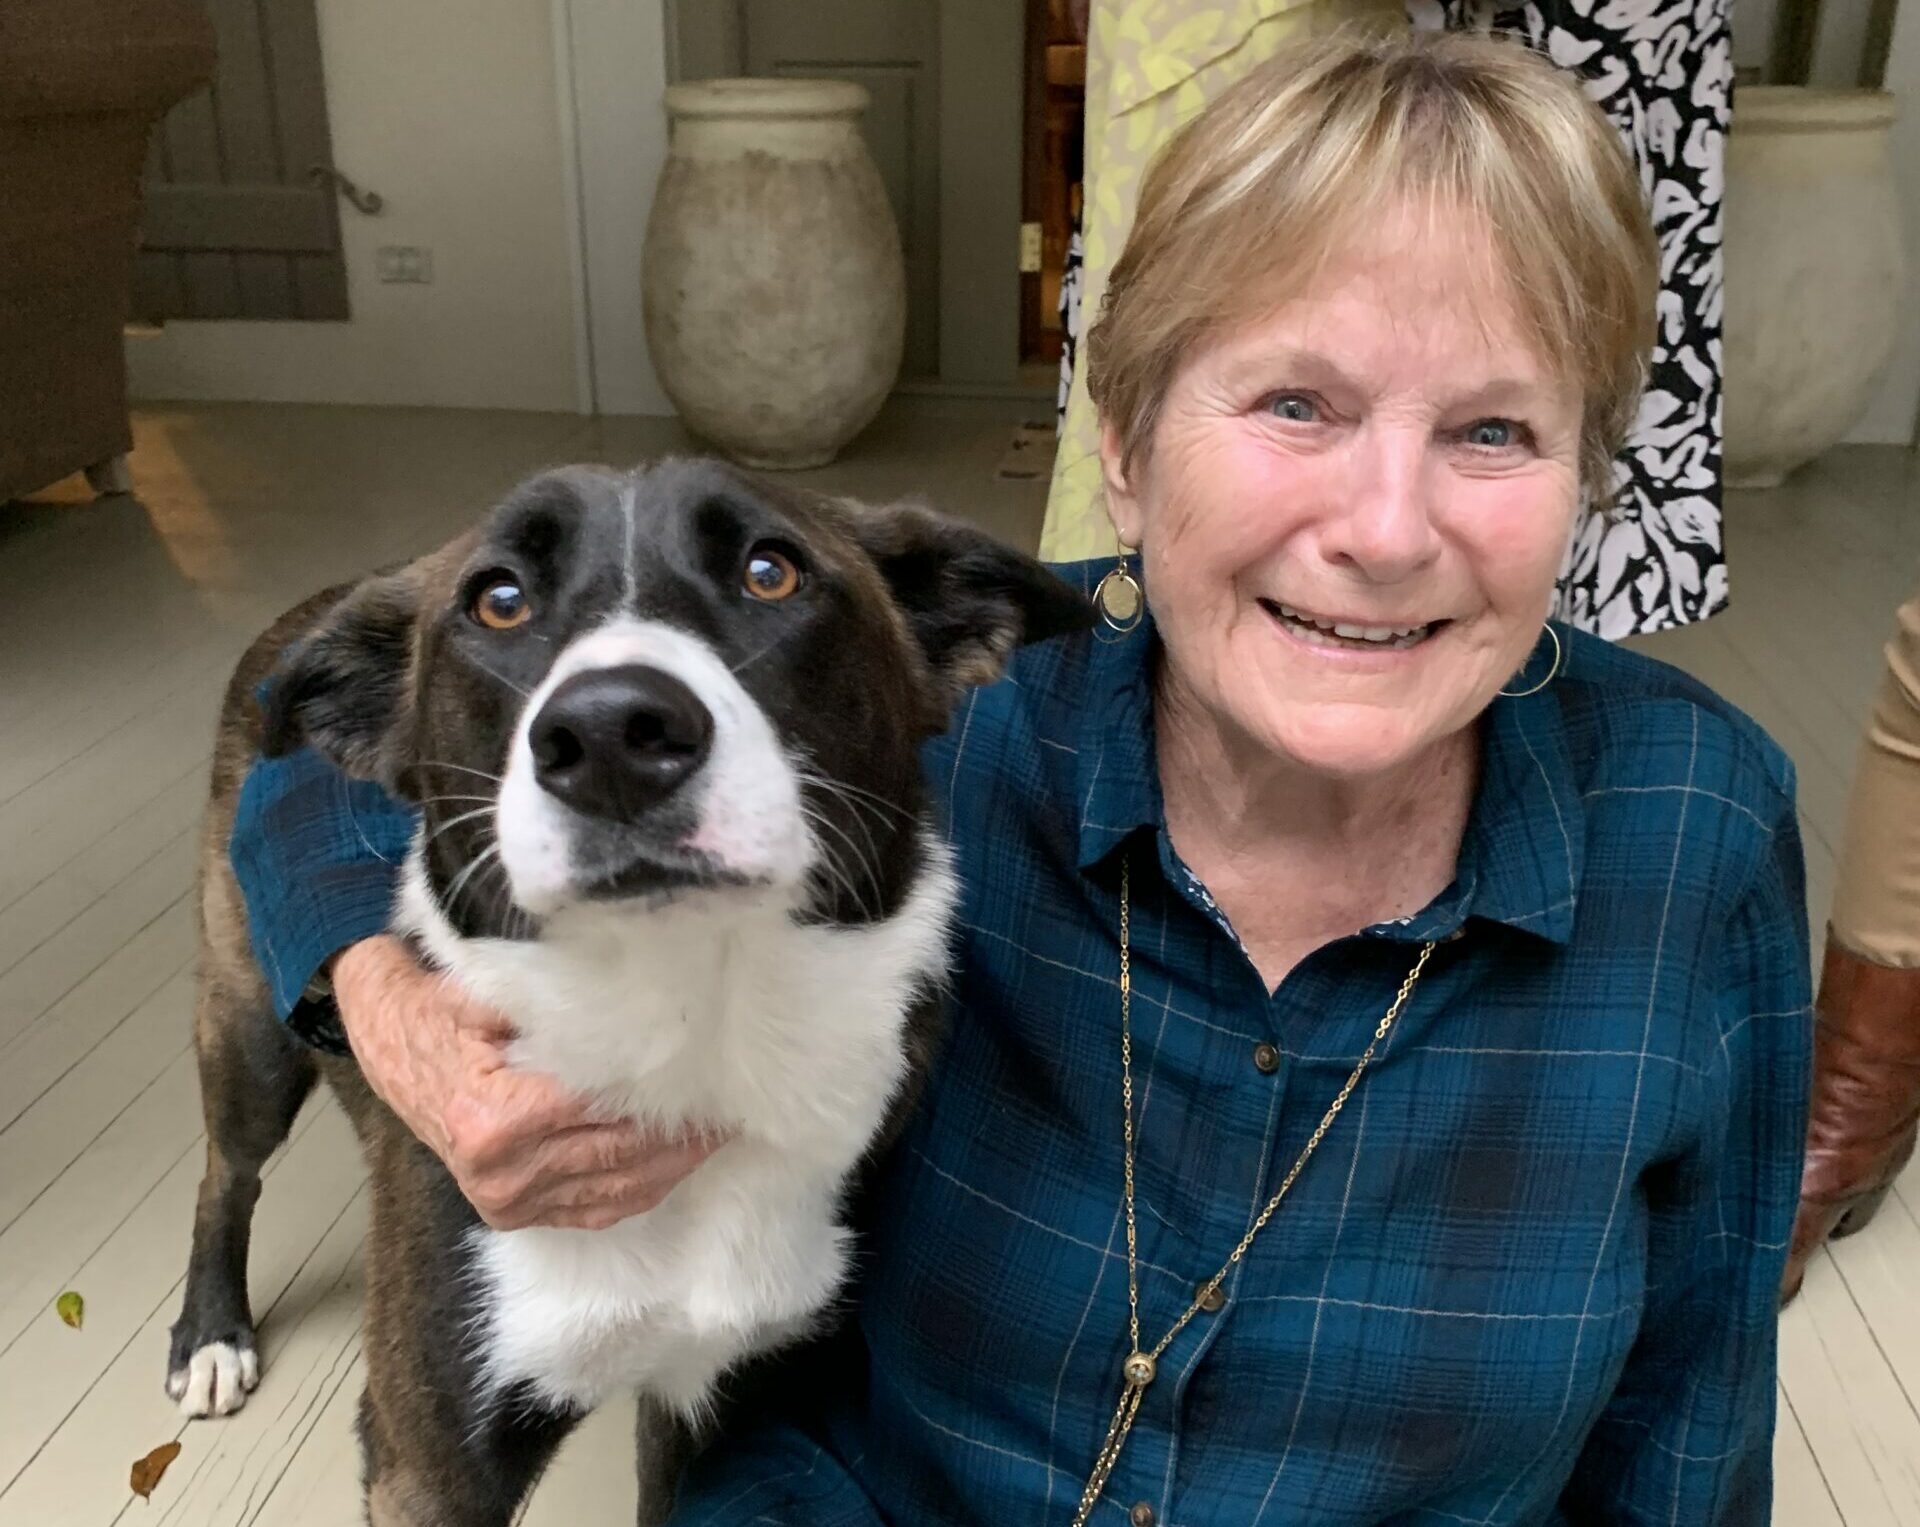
[(120, 621)]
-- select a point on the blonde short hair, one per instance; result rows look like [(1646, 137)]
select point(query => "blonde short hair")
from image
[(1287, 166)]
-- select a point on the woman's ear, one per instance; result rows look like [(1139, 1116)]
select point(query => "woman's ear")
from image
[(1123, 503)]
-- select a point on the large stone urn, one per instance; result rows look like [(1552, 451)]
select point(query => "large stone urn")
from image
[(1814, 276), (772, 284)]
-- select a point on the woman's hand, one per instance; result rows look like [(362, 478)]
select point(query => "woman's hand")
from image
[(523, 1150)]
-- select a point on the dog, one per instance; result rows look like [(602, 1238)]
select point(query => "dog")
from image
[(662, 728)]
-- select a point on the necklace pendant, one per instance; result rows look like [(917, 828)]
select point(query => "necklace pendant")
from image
[(1138, 1370)]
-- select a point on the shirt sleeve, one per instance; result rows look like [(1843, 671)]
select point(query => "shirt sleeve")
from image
[(1688, 1433), (317, 856)]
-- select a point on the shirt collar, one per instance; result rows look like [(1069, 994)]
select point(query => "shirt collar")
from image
[(1521, 855)]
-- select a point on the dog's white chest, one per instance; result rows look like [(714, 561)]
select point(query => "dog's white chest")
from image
[(789, 1037), (738, 1259)]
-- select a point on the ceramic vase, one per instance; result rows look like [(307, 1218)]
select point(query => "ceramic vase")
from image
[(1814, 272), (772, 284)]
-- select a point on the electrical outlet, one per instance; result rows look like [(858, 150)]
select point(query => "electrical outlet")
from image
[(1029, 248), (403, 263)]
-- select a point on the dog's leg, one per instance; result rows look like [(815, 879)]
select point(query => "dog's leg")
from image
[(425, 1469), (253, 1078), (663, 1446), (439, 1446)]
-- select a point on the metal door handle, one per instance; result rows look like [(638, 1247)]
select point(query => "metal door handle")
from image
[(370, 203)]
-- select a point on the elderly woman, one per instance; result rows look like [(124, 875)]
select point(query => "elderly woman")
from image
[(1381, 1044)]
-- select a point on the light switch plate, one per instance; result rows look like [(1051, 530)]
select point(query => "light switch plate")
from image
[(403, 263), (1029, 248)]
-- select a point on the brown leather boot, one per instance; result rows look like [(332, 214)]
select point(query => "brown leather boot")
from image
[(1866, 1100)]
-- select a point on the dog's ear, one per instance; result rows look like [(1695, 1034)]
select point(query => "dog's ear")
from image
[(969, 599), (344, 689)]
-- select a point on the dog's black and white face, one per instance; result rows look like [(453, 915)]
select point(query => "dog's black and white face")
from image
[(630, 685)]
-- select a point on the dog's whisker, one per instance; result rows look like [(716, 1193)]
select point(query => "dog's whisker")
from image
[(859, 898), (465, 816), (484, 836), (833, 872), (871, 858), (435, 763), (870, 866), (855, 797), (495, 674), (847, 788), (747, 662), (503, 912), (485, 856), (866, 832), (859, 818)]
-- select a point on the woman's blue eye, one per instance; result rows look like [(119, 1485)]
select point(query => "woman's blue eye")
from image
[(1492, 434), (1293, 406)]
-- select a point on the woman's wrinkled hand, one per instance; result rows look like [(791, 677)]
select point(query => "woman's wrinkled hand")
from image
[(523, 1149)]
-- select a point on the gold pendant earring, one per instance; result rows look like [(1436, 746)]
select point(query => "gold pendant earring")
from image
[(1552, 673), (1119, 598)]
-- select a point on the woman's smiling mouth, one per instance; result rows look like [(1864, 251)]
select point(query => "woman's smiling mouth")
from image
[(1323, 631)]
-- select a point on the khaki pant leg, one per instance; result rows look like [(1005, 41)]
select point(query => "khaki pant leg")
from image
[(1876, 905)]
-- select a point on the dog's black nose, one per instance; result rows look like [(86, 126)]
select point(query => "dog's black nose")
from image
[(616, 741)]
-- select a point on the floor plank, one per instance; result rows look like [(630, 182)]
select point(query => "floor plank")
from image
[(77, 1407), (68, 1124), (238, 1462), (1802, 1496), (1856, 1418), (102, 867)]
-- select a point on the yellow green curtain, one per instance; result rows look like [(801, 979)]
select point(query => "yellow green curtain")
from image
[(1151, 66)]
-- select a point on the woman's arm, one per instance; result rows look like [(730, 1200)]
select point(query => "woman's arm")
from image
[(1688, 1434), (317, 856)]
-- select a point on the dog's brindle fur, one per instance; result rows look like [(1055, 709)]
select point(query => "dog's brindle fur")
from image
[(938, 608)]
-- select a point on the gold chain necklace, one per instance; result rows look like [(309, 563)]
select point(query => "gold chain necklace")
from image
[(1138, 1370)]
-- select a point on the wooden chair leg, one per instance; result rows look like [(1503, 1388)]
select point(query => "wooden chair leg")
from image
[(111, 476)]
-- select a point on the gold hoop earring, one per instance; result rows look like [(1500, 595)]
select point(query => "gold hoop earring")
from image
[(1552, 673), (1119, 598)]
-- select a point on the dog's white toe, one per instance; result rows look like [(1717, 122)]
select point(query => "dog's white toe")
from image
[(216, 1380)]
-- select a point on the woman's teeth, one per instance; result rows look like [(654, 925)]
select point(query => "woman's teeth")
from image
[(1337, 633)]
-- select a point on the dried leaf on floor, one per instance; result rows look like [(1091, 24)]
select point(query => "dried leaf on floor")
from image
[(71, 1308), (147, 1471)]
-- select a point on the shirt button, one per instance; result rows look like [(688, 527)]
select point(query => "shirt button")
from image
[(1266, 1058), (1213, 1301), (1142, 1515)]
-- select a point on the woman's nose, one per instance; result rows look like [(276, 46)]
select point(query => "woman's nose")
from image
[(1384, 530)]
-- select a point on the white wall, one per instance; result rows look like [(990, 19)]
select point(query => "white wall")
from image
[(1890, 419), (1753, 23), (618, 71), (451, 110)]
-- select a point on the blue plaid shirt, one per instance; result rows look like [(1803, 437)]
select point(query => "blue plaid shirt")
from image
[(1530, 1276)]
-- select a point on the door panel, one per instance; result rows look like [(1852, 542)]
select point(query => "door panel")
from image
[(891, 47), (235, 226)]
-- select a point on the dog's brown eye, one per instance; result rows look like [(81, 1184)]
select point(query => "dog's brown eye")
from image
[(500, 605), (770, 575)]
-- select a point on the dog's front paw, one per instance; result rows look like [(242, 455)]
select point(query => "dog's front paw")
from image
[(213, 1378)]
